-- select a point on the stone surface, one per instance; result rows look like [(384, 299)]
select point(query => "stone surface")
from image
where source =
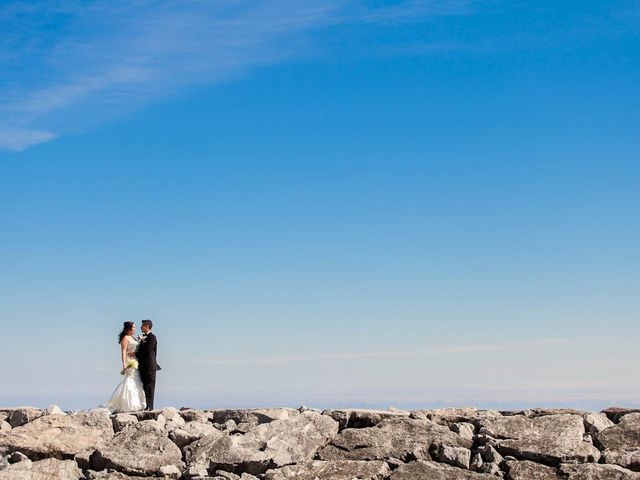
[(456, 456), (549, 439), (121, 420), (53, 410), (59, 436), (615, 414), (190, 432), (402, 438), (621, 443), (360, 418), (23, 415), (596, 422), (4, 426), (268, 445), (526, 470), (139, 449), (598, 472), (48, 469), (448, 416), (422, 470), (340, 470)]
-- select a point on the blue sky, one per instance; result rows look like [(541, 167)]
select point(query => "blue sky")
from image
[(407, 203)]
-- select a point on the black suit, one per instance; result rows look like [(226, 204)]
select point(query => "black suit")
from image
[(148, 366)]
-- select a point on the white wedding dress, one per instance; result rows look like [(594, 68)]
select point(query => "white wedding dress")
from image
[(129, 394)]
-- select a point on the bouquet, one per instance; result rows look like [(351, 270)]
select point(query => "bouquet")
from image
[(131, 363)]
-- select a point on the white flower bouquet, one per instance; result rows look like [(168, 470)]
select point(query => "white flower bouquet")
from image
[(131, 363)]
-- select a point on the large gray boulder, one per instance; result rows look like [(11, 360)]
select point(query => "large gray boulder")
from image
[(48, 469), (527, 470), (596, 422), (402, 438), (591, 471), (139, 449), (340, 470), (362, 418), (59, 436), (549, 439), (422, 470), (192, 431), (269, 445), (621, 443)]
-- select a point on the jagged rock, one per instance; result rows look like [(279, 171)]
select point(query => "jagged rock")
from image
[(252, 417), (16, 457), (464, 429), (23, 415), (615, 414), (190, 432), (592, 471), (402, 438), (448, 416), (4, 462), (48, 469), (222, 475), (527, 470), (595, 422), (59, 436), (170, 471), (491, 468), (269, 445), (139, 449), (549, 439), (422, 470), (4, 426), (4, 415), (340, 470), (621, 442), (53, 410), (456, 456), (111, 475), (541, 412), (359, 418), (121, 420), (490, 454), (195, 415)]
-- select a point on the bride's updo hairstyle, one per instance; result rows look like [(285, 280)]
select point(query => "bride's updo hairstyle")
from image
[(126, 329)]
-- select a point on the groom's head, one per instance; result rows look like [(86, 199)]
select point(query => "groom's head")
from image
[(146, 326)]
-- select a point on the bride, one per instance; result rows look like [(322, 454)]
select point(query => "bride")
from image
[(129, 394)]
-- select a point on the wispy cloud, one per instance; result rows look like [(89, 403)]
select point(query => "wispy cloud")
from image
[(450, 350), (72, 63)]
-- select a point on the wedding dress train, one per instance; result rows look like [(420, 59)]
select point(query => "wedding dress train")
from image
[(129, 394)]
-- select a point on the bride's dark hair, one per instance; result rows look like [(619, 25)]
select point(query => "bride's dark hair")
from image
[(126, 328)]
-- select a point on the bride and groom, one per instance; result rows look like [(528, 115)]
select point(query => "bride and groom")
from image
[(139, 366)]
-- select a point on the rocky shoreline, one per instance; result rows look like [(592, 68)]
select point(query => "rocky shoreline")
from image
[(309, 444)]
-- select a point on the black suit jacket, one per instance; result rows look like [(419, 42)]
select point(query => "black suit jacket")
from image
[(147, 352)]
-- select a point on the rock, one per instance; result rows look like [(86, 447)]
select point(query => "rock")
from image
[(358, 418), (4, 462), (456, 456), (595, 422), (422, 470), (22, 416), (121, 420), (53, 410), (448, 416), (59, 436), (170, 471), (139, 449), (83, 459), (252, 417), (49, 469), (340, 470), (527, 470), (111, 475), (190, 432), (490, 454), (615, 414), (402, 438), (592, 471), (549, 439), (621, 443), (491, 468), (16, 457), (465, 430), (194, 415), (4, 426), (269, 445)]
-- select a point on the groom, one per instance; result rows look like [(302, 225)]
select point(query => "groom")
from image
[(147, 364)]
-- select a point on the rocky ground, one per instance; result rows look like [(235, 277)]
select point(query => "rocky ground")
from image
[(308, 444)]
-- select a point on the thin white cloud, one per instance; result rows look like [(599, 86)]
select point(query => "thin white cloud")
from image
[(451, 350), (103, 59)]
